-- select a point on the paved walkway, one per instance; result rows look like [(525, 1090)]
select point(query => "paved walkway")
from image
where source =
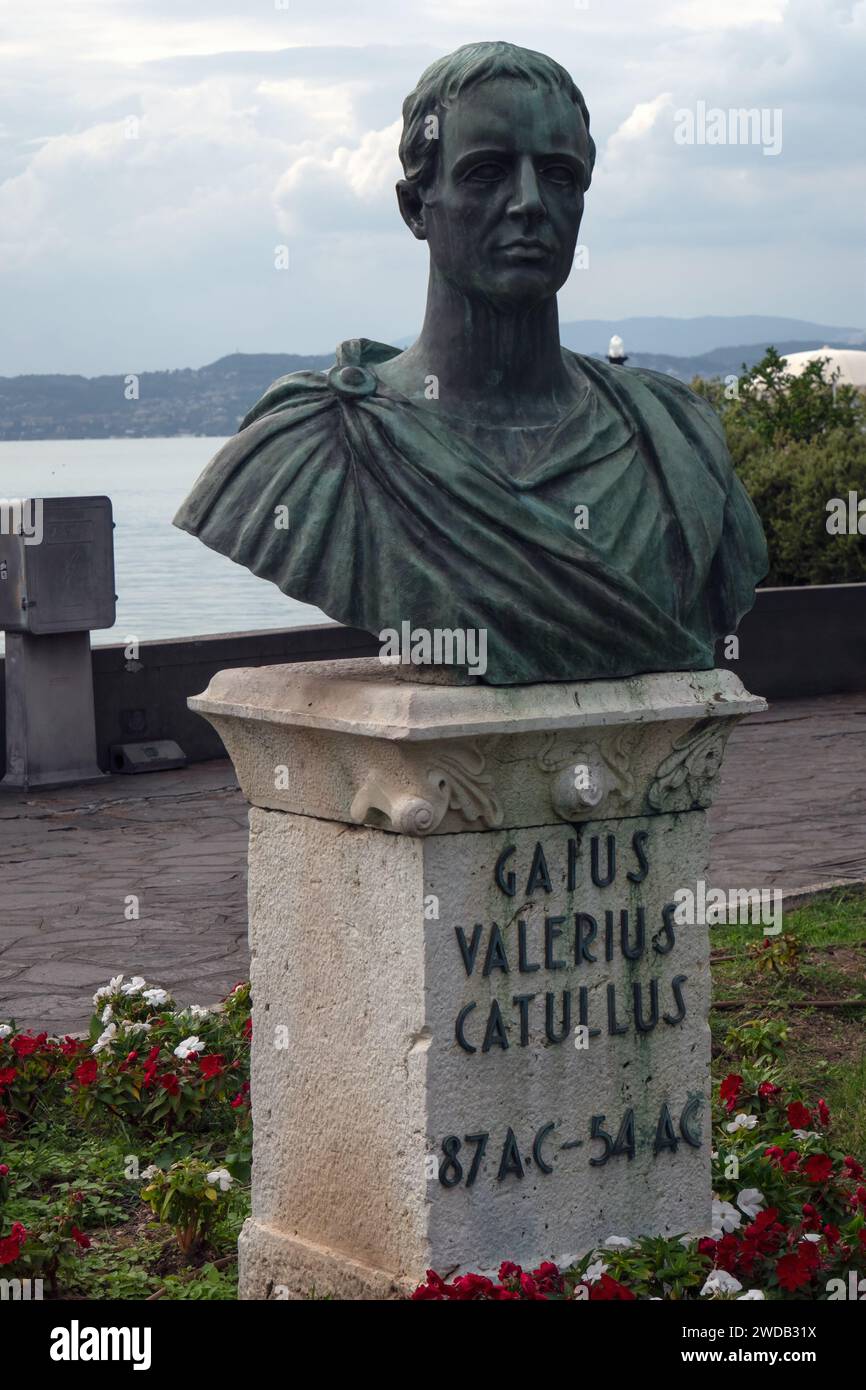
[(791, 813)]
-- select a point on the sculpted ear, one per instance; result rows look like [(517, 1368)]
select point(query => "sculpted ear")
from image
[(412, 209)]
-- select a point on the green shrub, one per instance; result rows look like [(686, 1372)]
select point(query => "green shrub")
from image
[(797, 443)]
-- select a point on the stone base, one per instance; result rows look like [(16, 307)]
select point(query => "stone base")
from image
[(477, 1034), (273, 1265)]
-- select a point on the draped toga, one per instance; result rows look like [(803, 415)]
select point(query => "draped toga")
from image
[(395, 513)]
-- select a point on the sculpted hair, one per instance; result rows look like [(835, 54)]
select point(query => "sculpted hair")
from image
[(441, 85)]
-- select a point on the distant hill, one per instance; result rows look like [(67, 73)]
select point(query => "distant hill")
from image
[(212, 400), (721, 361), (694, 337), (205, 400)]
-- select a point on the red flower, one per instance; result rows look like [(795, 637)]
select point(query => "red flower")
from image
[(434, 1288), (786, 1161), (25, 1044), (153, 1054), (832, 1235), (7, 1075), (811, 1218), (530, 1289), (798, 1116), (247, 1030), (818, 1168), (468, 1287), (606, 1289), (241, 1097), (727, 1251), (507, 1270), (767, 1089), (730, 1089), (854, 1168), (792, 1273), (823, 1112), (85, 1074), (4, 1170), (707, 1246), (212, 1066), (548, 1278), (763, 1219), (70, 1046), (80, 1238), (10, 1246), (170, 1083)]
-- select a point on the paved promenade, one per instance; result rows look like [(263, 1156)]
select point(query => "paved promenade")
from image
[(791, 813)]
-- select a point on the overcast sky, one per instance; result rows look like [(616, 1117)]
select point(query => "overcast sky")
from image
[(275, 122)]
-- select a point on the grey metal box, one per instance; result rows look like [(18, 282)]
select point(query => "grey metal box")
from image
[(56, 565)]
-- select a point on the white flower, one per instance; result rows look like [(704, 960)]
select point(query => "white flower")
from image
[(751, 1296), (155, 997), (725, 1219), (807, 1134), (190, 1044), (742, 1121), (222, 1177), (5, 1030), (595, 1271), (618, 1243), (750, 1201), (198, 1011), (134, 985), (106, 990), (132, 1026), (107, 1013), (105, 1038), (150, 1171), (813, 1235), (720, 1281)]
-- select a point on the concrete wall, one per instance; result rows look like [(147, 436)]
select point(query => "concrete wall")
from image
[(795, 642), (144, 700), (803, 641)]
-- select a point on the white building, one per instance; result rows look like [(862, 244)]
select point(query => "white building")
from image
[(851, 363)]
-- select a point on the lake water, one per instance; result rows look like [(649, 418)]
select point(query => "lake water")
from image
[(168, 584)]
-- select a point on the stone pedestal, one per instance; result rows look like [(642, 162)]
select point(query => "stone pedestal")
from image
[(477, 1033)]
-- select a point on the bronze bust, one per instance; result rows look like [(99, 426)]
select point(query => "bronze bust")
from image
[(585, 517)]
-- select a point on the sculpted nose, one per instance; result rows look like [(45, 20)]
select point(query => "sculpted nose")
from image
[(526, 200)]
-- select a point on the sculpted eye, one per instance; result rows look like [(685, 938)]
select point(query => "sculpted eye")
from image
[(560, 174), (485, 173)]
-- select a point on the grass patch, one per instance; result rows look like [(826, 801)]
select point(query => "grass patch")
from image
[(820, 957)]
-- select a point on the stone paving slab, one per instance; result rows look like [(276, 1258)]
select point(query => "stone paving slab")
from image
[(791, 813)]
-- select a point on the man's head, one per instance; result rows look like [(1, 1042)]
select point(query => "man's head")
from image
[(497, 157)]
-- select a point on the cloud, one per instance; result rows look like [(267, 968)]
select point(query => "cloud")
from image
[(637, 125), (257, 128), (704, 15), (352, 185)]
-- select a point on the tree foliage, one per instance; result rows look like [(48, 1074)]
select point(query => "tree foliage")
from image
[(798, 442)]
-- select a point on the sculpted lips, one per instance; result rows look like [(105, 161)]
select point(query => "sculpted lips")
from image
[(526, 249)]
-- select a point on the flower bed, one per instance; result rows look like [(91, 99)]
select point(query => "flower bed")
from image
[(156, 1102), (789, 1221)]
